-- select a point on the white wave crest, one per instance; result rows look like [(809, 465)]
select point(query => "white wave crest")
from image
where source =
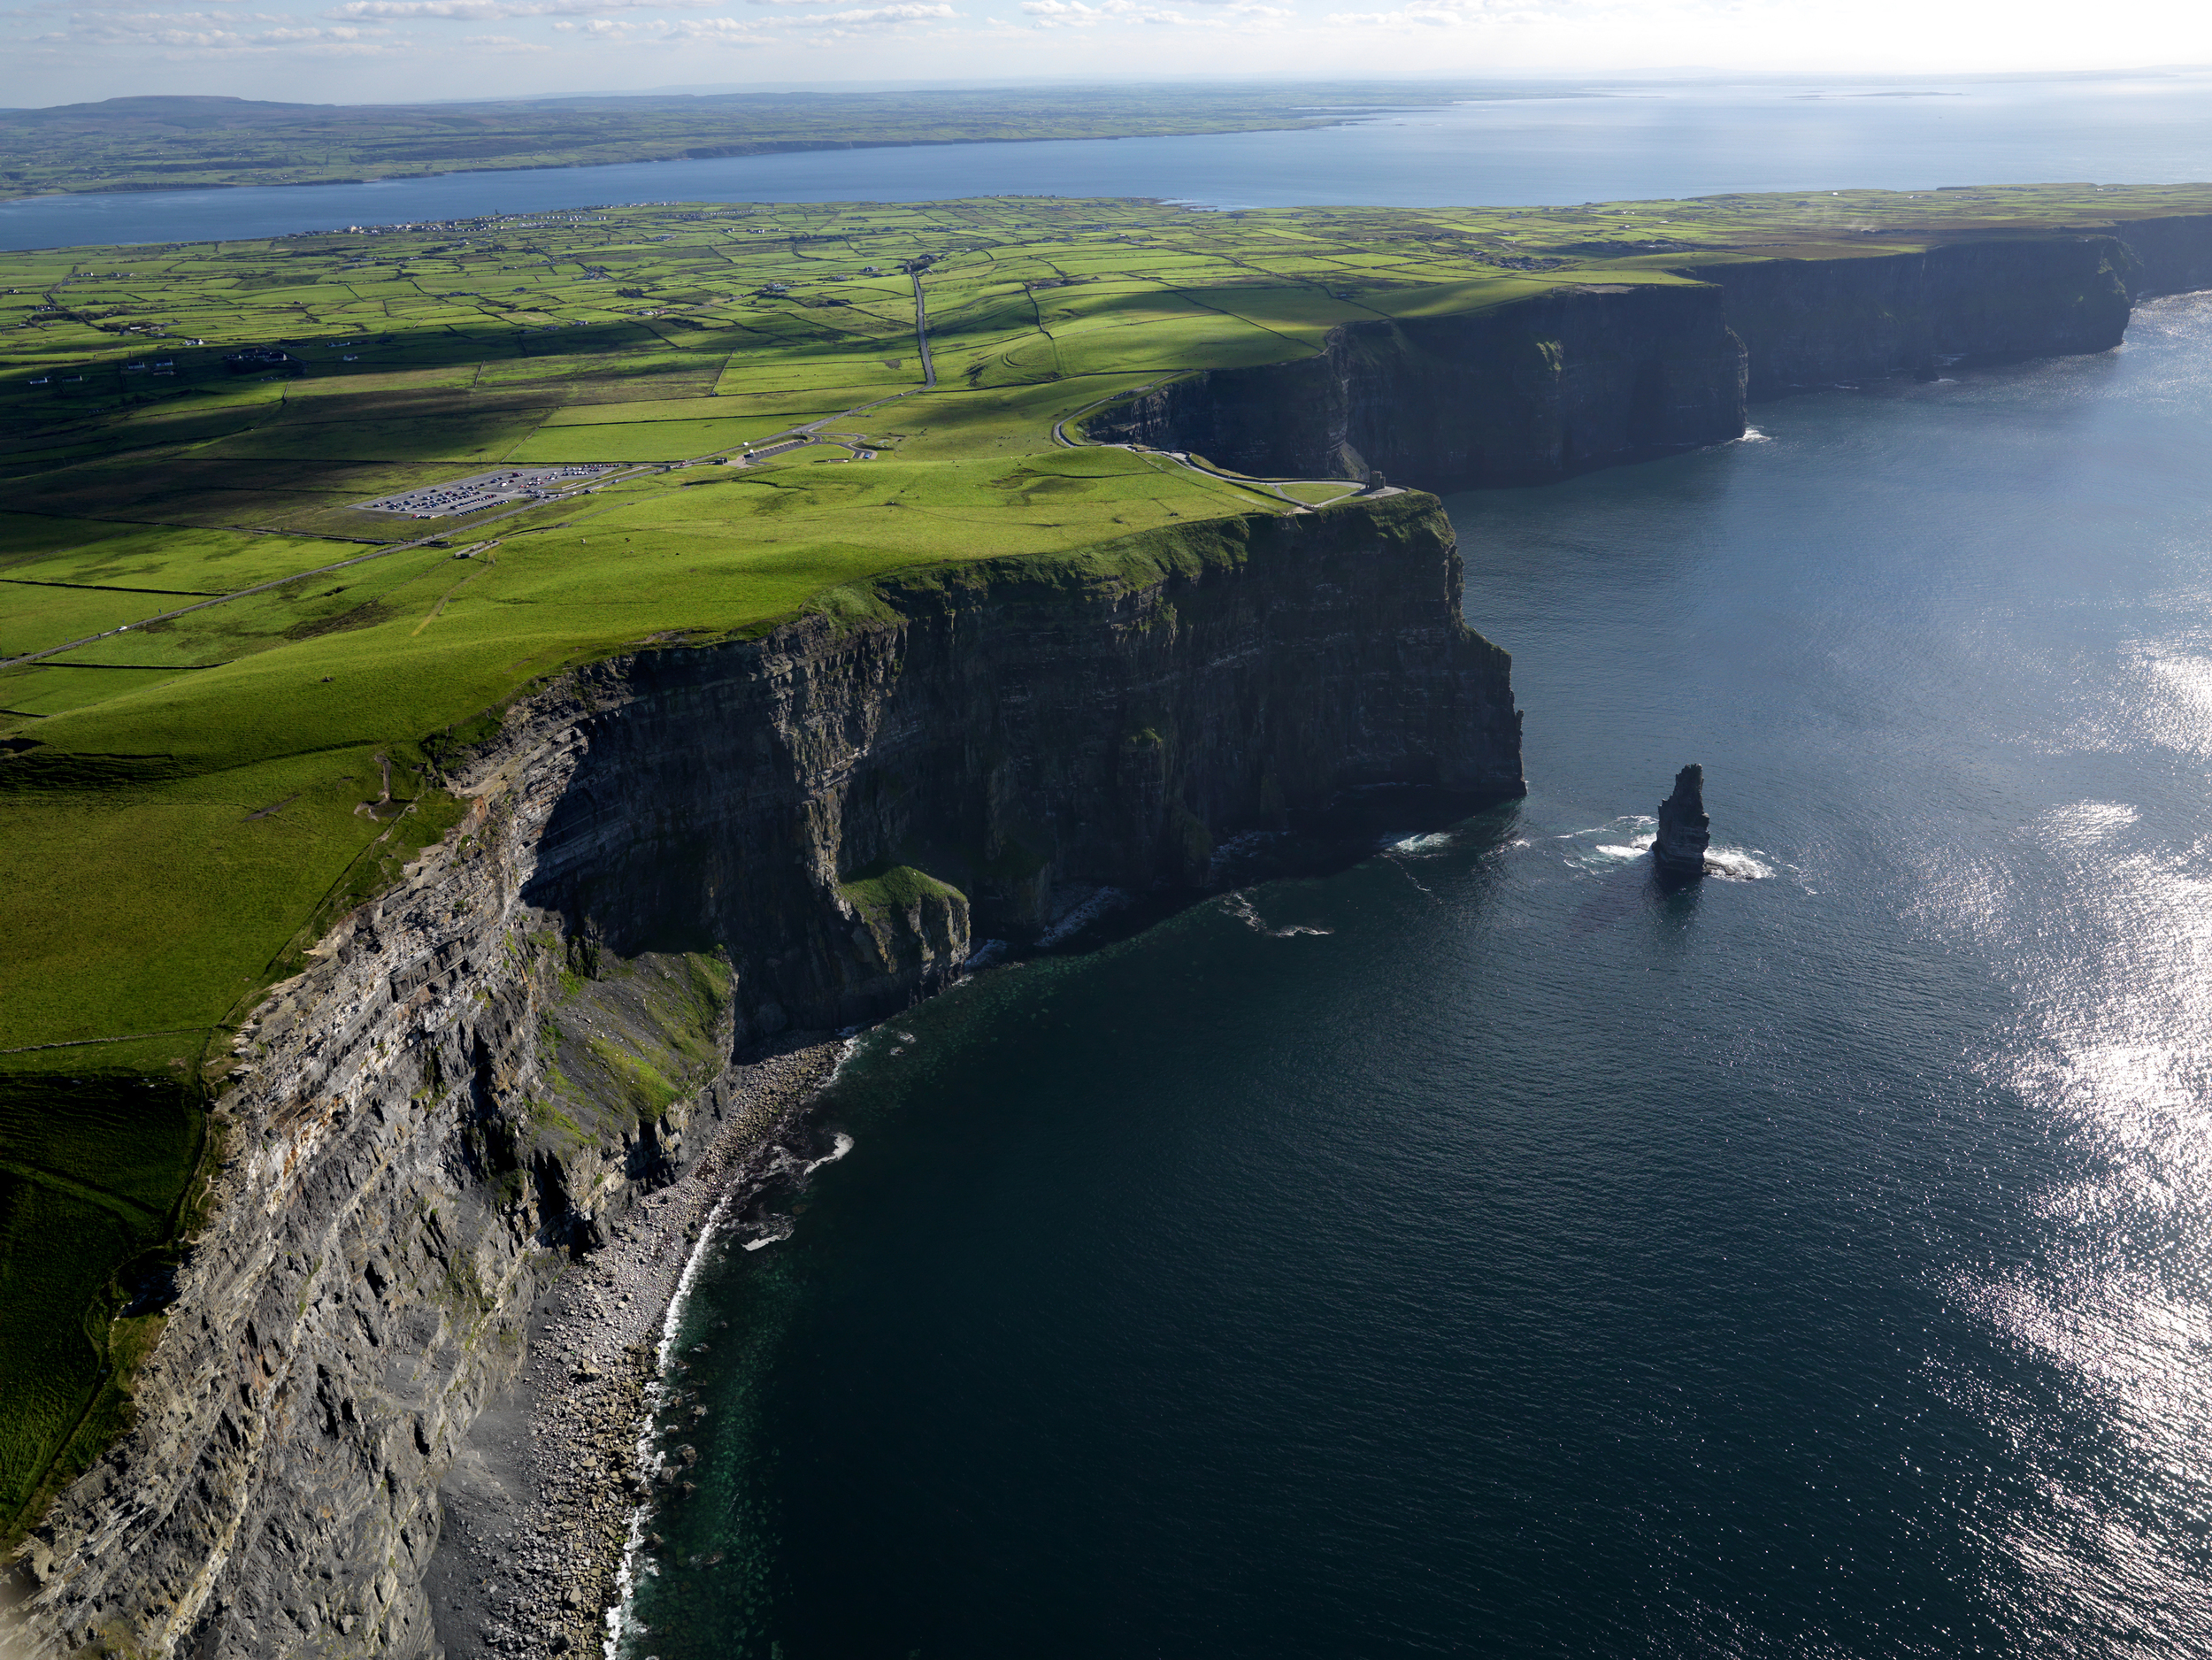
[(840, 1144), (772, 1231), (1238, 906), (1736, 865), (1435, 841)]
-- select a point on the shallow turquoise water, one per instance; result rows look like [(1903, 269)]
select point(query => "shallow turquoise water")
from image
[(1630, 141), (1516, 1259)]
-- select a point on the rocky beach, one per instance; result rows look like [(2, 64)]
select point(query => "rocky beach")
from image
[(540, 1500)]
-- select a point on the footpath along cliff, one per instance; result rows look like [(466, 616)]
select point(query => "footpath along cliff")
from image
[(669, 858)]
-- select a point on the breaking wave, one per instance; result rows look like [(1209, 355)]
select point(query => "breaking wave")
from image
[(1238, 906)]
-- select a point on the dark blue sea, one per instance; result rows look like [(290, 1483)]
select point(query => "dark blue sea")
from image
[(1485, 1250), (1601, 142)]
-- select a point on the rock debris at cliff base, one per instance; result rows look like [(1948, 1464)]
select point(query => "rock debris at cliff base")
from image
[(540, 1500)]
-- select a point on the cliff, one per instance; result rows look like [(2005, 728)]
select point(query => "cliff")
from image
[(1596, 375), (1814, 322), (2173, 252), (666, 856), (1564, 382)]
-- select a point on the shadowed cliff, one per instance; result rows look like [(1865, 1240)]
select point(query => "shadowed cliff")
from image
[(1596, 375), (667, 855), (1573, 379)]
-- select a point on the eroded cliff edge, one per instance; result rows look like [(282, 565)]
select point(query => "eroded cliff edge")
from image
[(1591, 376), (668, 856), (1814, 322), (1570, 380)]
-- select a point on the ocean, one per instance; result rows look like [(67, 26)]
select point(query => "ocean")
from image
[(1485, 1250), (1613, 142)]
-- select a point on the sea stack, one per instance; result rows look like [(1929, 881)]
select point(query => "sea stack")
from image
[(1684, 828)]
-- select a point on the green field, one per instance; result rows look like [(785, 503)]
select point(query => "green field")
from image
[(181, 798)]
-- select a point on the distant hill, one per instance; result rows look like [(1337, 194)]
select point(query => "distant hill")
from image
[(185, 141)]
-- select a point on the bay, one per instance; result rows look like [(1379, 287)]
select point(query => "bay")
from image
[(1485, 1251), (1611, 142)]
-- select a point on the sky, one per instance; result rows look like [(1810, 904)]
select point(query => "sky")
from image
[(362, 51)]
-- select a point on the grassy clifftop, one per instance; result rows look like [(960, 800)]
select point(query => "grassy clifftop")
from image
[(190, 790), (225, 678)]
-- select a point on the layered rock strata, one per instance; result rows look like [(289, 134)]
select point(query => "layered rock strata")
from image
[(667, 857), (1814, 322), (1593, 376), (1564, 382)]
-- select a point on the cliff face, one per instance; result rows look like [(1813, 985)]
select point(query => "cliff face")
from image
[(1808, 322), (1595, 376), (1560, 383), (667, 855), (1103, 733), (2172, 253)]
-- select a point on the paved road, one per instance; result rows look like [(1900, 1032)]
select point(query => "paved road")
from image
[(921, 334)]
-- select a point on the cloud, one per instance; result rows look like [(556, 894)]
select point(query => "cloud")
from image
[(132, 22), (1076, 14), (1445, 14), (726, 31), (912, 13), (1080, 14), (489, 11), (497, 10), (220, 31)]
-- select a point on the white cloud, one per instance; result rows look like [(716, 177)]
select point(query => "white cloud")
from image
[(1422, 15), (220, 32), (1080, 14), (489, 11), (891, 14), (493, 11), (725, 31), (131, 22), (1580, 15), (1063, 14), (109, 47)]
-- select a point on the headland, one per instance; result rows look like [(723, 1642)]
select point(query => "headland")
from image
[(402, 906)]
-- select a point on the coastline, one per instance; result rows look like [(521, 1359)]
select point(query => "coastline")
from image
[(540, 1503)]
